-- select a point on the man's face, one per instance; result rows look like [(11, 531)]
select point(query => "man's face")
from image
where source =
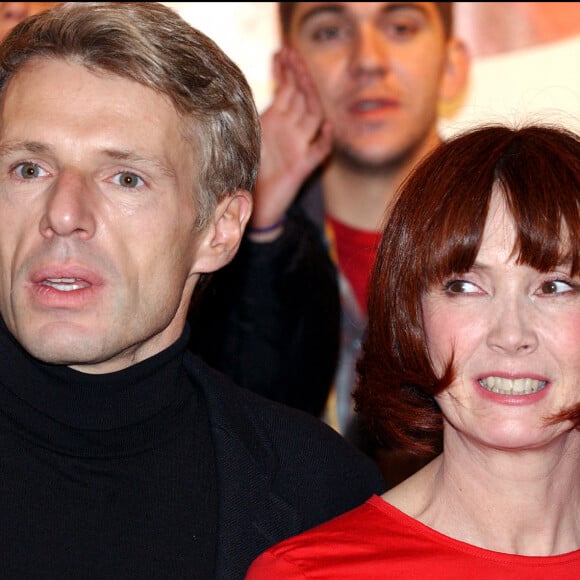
[(98, 251), (379, 69)]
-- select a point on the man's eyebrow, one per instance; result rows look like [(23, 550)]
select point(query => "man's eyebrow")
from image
[(132, 157), (329, 8), (23, 146), (320, 9), (394, 6), (37, 148)]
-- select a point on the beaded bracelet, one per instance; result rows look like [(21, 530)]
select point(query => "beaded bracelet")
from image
[(267, 229)]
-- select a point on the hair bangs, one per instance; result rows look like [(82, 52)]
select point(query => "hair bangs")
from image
[(546, 210)]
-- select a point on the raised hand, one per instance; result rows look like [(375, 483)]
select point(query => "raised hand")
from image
[(296, 138)]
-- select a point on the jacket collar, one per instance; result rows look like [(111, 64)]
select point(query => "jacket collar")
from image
[(252, 515)]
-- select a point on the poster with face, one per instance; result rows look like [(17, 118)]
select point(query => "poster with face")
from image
[(493, 28)]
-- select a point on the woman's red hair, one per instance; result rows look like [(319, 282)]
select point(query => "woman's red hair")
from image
[(434, 230)]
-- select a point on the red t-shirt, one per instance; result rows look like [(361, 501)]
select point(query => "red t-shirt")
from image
[(355, 250), (377, 541)]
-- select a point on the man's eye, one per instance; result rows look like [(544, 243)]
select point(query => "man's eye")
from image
[(460, 287), (327, 33), (128, 180), (402, 29), (555, 287), (29, 170)]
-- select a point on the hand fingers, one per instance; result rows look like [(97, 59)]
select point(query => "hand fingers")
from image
[(295, 91)]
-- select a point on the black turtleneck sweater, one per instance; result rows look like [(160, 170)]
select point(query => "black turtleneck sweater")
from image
[(104, 476)]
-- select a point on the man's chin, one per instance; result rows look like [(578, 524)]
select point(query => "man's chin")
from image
[(63, 354), (366, 160), (70, 347)]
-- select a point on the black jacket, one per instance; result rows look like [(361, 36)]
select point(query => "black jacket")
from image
[(280, 471), (271, 319)]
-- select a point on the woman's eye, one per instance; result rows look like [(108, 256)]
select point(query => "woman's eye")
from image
[(128, 180), (555, 287), (460, 287), (29, 170)]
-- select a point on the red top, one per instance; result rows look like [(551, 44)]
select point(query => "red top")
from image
[(355, 251), (377, 541)]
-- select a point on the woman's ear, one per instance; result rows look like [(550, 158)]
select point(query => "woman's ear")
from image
[(223, 235)]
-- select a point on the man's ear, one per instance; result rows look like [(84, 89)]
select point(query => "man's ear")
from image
[(455, 76), (223, 235)]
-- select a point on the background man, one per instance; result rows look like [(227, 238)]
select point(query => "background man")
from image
[(356, 107)]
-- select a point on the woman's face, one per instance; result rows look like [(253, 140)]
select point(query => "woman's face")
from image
[(514, 334)]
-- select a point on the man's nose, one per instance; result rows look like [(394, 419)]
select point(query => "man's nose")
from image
[(69, 208), (370, 50)]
